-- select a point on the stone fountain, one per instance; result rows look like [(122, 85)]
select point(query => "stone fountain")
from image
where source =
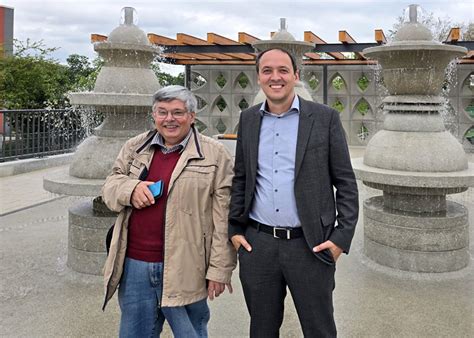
[(284, 40), (123, 93), (415, 161)]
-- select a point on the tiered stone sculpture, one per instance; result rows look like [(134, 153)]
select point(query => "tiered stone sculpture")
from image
[(284, 40), (415, 161), (123, 93)]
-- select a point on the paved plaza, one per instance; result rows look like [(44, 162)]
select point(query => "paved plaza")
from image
[(41, 297)]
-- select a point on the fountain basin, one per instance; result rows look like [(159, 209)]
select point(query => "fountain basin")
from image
[(407, 241), (416, 179), (414, 67)]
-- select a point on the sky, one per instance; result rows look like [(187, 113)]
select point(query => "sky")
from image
[(68, 24)]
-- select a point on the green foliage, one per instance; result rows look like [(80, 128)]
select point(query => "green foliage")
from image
[(470, 109), (220, 80), (82, 72), (363, 82), (313, 82), (338, 105), (200, 125), (363, 132), (470, 135), (221, 104), (243, 80), (166, 79), (363, 107), (338, 82), (243, 104), (32, 79), (220, 126)]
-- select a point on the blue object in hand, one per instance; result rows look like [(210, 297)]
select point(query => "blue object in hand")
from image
[(157, 189)]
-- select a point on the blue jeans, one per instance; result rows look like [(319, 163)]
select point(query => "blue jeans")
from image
[(139, 299)]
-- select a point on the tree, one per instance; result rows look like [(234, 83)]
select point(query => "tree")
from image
[(31, 79), (166, 79), (83, 72), (439, 27), (468, 35)]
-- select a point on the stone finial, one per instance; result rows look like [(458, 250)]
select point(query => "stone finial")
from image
[(128, 15), (413, 13)]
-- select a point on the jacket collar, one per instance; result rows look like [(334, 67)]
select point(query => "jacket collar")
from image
[(193, 146)]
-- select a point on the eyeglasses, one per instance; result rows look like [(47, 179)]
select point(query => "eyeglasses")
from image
[(162, 114)]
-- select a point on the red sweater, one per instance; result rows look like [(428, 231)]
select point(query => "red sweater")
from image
[(145, 230)]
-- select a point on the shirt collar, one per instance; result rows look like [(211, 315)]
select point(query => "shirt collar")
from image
[(160, 142), (295, 107)]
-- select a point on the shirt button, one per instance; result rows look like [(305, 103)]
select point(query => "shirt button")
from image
[(276, 190), (276, 171), (277, 134), (277, 210), (276, 152)]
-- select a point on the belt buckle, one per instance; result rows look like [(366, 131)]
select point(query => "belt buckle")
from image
[(275, 229)]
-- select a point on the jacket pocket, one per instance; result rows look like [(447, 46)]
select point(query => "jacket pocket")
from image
[(195, 171), (327, 221), (134, 171)]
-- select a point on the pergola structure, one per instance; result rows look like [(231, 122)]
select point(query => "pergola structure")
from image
[(219, 50), (188, 50)]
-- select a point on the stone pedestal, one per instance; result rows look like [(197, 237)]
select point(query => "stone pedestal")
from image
[(86, 241), (431, 242)]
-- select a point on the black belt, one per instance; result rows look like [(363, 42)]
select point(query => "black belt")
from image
[(277, 232)]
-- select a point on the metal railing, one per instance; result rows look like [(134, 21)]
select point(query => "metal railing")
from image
[(31, 133)]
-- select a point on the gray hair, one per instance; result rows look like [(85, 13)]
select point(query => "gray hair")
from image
[(176, 92)]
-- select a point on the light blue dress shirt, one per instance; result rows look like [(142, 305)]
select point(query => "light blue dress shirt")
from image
[(274, 203)]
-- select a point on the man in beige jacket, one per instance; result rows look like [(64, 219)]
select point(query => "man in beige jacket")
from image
[(169, 252)]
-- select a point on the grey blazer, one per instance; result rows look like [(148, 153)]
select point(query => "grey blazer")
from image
[(325, 185)]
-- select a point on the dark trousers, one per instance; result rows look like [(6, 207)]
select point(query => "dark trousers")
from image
[(271, 266)]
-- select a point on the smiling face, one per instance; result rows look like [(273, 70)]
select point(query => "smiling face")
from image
[(172, 128), (277, 79)]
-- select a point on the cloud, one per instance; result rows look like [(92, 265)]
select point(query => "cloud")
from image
[(68, 24)]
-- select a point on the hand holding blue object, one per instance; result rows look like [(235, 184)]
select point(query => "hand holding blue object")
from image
[(157, 189)]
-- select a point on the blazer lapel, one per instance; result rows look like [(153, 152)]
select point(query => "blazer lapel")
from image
[(253, 129), (304, 131)]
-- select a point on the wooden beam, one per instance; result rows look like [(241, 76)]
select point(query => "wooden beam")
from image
[(339, 62), (185, 39), (216, 39), (161, 40), (214, 62), (247, 38), (311, 37), (454, 35), (345, 38), (98, 38), (165, 41), (380, 36), (220, 40), (313, 56)]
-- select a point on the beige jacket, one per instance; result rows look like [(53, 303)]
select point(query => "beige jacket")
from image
[(196, 245)]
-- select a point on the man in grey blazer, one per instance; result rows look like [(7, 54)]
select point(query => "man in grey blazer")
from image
[(294, 202)]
